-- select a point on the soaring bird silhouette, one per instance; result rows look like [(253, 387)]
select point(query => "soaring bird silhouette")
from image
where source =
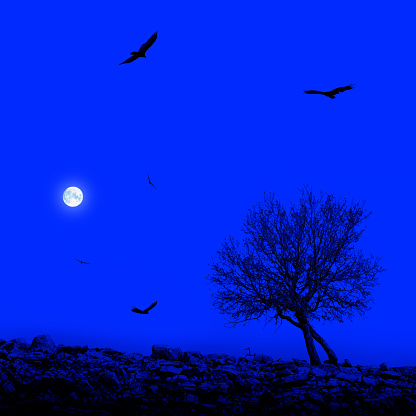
[(82, 262), (150, 182), (143, 49), (331, 93), (146, 311), (249, 353)]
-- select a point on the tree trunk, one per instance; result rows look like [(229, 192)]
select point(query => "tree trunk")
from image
[(309, 334), (310, 346), (333, 359)]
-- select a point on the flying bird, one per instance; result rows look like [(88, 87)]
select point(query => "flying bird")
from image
[(331, 94), (249, 353), (143, 49), (150, 182), (82, 261), (146, 311)]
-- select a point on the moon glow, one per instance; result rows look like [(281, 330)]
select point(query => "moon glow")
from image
[(73, 196)]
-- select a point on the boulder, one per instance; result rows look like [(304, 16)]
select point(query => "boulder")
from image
[(15, 344), (346, 364), (166, 352), (43, 343)]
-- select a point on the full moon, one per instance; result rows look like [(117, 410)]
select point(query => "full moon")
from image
[(73, 196)]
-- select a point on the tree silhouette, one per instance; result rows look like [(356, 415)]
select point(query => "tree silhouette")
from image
[(302, 264)]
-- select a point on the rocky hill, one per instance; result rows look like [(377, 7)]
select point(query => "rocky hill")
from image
[(45, 379)]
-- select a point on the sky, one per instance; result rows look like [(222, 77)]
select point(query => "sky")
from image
[(216, 116)]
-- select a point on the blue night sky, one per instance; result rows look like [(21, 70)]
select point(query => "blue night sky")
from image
[(216, 116)]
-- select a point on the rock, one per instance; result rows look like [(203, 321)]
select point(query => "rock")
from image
[(264, 359), (17, 344), (166, 352), (45, 379), (43, 343), (191, 356), (347, 363), (170, 369), (71, 399), (383, 367), (190, 398)]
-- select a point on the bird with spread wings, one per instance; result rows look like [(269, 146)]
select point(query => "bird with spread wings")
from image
[(331, 93), (82, 262), (146, 311), (143, 49)]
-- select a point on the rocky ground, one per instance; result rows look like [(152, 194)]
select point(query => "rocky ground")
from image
[(45, 379)]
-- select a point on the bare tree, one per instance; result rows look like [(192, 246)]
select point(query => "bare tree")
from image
[(302, 264)]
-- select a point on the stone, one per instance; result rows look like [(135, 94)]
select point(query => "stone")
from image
[(166, 352), (71, 399), (15, 344), (191, 355), (347, 363), (65, 380), (43, 343), (263, 359)]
